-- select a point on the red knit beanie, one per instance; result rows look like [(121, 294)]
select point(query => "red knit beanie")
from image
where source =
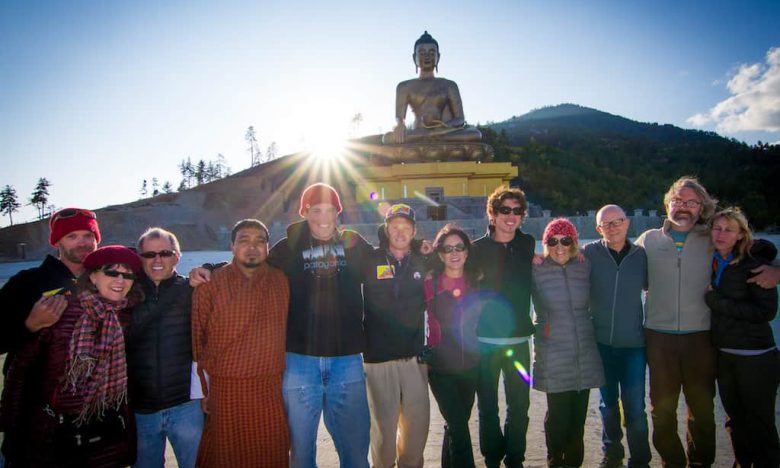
[(113, 255), (559, 227), (68, 220), (319, 193)]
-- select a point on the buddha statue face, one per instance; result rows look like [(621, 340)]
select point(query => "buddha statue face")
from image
[(426, 52)]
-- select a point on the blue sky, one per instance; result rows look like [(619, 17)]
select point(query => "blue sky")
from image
[(97, 96)]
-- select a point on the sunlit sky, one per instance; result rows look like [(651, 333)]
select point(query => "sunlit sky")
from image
[(98, 95)]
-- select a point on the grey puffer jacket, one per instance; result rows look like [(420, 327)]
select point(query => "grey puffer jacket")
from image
[(565, 353)]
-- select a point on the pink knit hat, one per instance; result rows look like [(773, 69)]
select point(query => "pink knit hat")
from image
[(559, 227)]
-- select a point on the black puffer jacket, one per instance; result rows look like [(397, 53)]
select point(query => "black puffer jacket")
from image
[(159, 346), (741, 311)]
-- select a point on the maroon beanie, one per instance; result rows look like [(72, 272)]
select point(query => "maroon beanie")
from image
[(68, 220), (319, 193), (113, 255), (559, 227)]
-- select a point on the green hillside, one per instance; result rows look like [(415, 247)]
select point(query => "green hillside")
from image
[(573, 158)]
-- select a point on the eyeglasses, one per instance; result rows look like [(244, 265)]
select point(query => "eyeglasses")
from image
[(452, 248), (70, 213), (162, 254), (612, 224), (565, 241), (685, 203), (505, 210), (117, 274)]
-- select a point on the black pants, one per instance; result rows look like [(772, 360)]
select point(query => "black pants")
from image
[(509, 445), (747, 386), (454, 393), (564, 427)]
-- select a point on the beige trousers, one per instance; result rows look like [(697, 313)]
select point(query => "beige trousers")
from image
[(400, 410)]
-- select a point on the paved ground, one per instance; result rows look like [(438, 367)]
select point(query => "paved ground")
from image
[(535, 457), (536, 452)]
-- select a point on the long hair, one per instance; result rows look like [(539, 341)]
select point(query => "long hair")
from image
[(473, 275), (735, 217)]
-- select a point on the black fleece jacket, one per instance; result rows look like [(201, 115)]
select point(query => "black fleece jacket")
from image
[(326, 301), (394, 303), (19, 295), (505, 286)]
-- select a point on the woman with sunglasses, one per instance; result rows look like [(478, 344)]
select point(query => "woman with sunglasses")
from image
[(453, 314), (566, 360), (748, 367), (65, 402)]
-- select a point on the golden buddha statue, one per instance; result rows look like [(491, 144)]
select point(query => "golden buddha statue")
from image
[(435, 102)]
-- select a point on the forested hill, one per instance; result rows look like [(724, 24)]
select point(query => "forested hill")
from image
[(573, 158)]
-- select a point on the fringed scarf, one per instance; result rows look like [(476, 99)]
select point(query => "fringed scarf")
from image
[(96, 366)]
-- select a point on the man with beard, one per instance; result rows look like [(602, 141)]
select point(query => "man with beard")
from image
[(239, 319), (323, 374), (677, 325), (32, 299)]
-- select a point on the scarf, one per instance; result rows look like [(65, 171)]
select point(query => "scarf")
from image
[(96, 365)]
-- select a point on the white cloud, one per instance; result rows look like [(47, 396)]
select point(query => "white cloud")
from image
[(754, 103)]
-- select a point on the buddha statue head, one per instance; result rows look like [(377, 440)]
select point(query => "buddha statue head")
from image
[(426, 53)]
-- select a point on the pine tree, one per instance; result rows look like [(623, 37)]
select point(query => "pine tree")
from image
[(270, 153), (155, 187), (167, 187), (254, 152), (40, 196), (144, 190), (9, 202)]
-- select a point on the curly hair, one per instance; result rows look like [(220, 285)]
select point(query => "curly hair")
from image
[(502, 193)]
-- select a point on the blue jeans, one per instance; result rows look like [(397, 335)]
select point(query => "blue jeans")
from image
[(624, 370), (181, 424), (335, 387)]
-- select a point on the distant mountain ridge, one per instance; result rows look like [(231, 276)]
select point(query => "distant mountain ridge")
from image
[(574, 158)]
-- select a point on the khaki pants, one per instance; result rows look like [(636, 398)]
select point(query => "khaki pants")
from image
[(400, 409)]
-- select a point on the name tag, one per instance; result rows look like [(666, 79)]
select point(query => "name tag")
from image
[(384, 272)]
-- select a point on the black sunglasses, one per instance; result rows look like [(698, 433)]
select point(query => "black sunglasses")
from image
[(565, 241), (117, 274), (162, 254), (505, 210), (453, 248), (70, 213)]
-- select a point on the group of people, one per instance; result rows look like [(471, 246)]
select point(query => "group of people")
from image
[(111, 351)]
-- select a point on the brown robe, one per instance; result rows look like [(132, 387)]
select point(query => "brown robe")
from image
[(238, 337)]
